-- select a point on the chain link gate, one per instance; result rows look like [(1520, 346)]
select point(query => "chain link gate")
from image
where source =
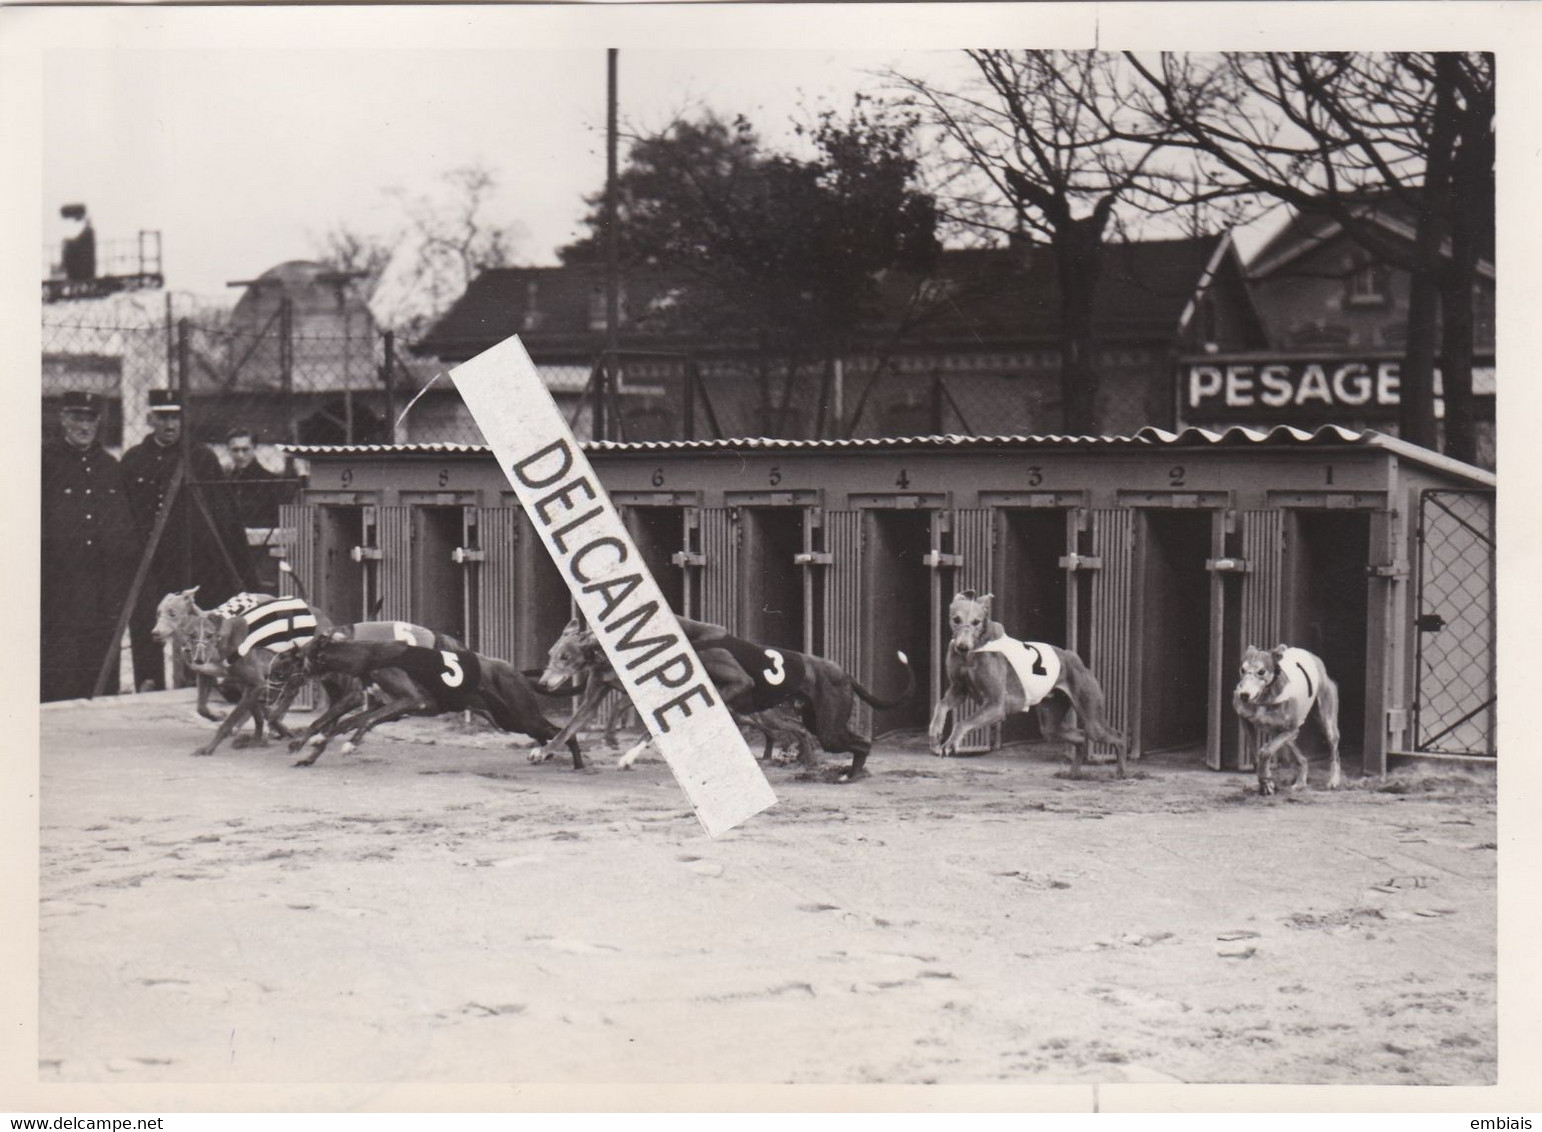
[(1455, 700)]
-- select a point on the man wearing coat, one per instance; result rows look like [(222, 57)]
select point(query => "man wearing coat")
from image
[(189, 552), (89, 553)]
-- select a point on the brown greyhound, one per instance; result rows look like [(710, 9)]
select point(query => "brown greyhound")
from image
[(391, 682), (754, 680), (194, 633), (247, 644), (576, 660), (441, 680), (1276, 693), (1006, 677)]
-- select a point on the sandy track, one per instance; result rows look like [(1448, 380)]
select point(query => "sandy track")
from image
[(434, 908)]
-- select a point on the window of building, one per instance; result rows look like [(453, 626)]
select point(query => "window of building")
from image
[(1368, 286)]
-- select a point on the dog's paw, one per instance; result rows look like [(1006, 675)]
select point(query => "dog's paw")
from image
[(203, 752), (350, 747), (1265, 789)]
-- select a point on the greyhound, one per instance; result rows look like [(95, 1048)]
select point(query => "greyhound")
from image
[(754, 680), (1007, 677), (193, 632), (249, 631), (392, 683), (576, 659), (440, 680), (1276, 692)]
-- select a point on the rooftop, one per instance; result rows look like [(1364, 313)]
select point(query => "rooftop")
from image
[(1283, 437)]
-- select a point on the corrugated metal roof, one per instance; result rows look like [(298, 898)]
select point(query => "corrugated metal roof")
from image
[(1282, 436)]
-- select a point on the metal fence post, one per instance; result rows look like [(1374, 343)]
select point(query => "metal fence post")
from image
[(388, 376), (286, 365), (688, 398)]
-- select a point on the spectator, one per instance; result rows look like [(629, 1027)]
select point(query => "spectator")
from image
[(256, 491), (189, 552), (89, 553)]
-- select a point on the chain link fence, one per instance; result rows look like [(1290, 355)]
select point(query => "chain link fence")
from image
[(1456, 624), (312, 371)]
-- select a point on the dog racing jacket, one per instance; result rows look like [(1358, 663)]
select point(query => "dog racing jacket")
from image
[(775, 674), (1296, 666), (1035, 664), (279, 624), (452, 677)]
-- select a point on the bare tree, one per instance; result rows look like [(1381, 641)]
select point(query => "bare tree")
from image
[(1348, 136), (443, 240), (1040, 142), (357, 253)]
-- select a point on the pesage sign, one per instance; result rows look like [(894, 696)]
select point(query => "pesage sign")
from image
[(1264, 389)]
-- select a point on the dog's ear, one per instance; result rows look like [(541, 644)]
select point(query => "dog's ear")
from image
[(189, 594), (967, 595), (1278, 652), (986, 602)]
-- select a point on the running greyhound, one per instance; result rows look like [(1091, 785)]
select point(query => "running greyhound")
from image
[(754, 681), (440, 680), (1006, 676), (1276, 693)]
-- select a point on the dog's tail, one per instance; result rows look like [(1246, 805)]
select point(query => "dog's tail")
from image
[(1087, 697), (874, 701), (299, 584)]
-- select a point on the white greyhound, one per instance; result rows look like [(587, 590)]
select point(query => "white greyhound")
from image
[(1277, 690)]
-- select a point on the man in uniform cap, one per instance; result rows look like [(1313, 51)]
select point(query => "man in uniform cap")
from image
[(89, 552), (189, 553)]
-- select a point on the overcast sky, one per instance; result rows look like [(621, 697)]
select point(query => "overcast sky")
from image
[(243, 158), (244, 133)]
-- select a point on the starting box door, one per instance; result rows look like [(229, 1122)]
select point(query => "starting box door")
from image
[(1455, 696), (1262, 535), (302, 521), (1111, 616), (498, 623), (973, 534), (720, 567), (843, 601), (395, 535)]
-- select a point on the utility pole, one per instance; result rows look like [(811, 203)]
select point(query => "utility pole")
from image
[(612, 249)]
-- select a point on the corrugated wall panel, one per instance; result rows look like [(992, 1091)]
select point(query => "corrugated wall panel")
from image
[(843, 601), (301, 520), (395, 534), (302, 560), (973, 531), (720, 572), (499, 580), (1113, 541), (1263, 548)]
